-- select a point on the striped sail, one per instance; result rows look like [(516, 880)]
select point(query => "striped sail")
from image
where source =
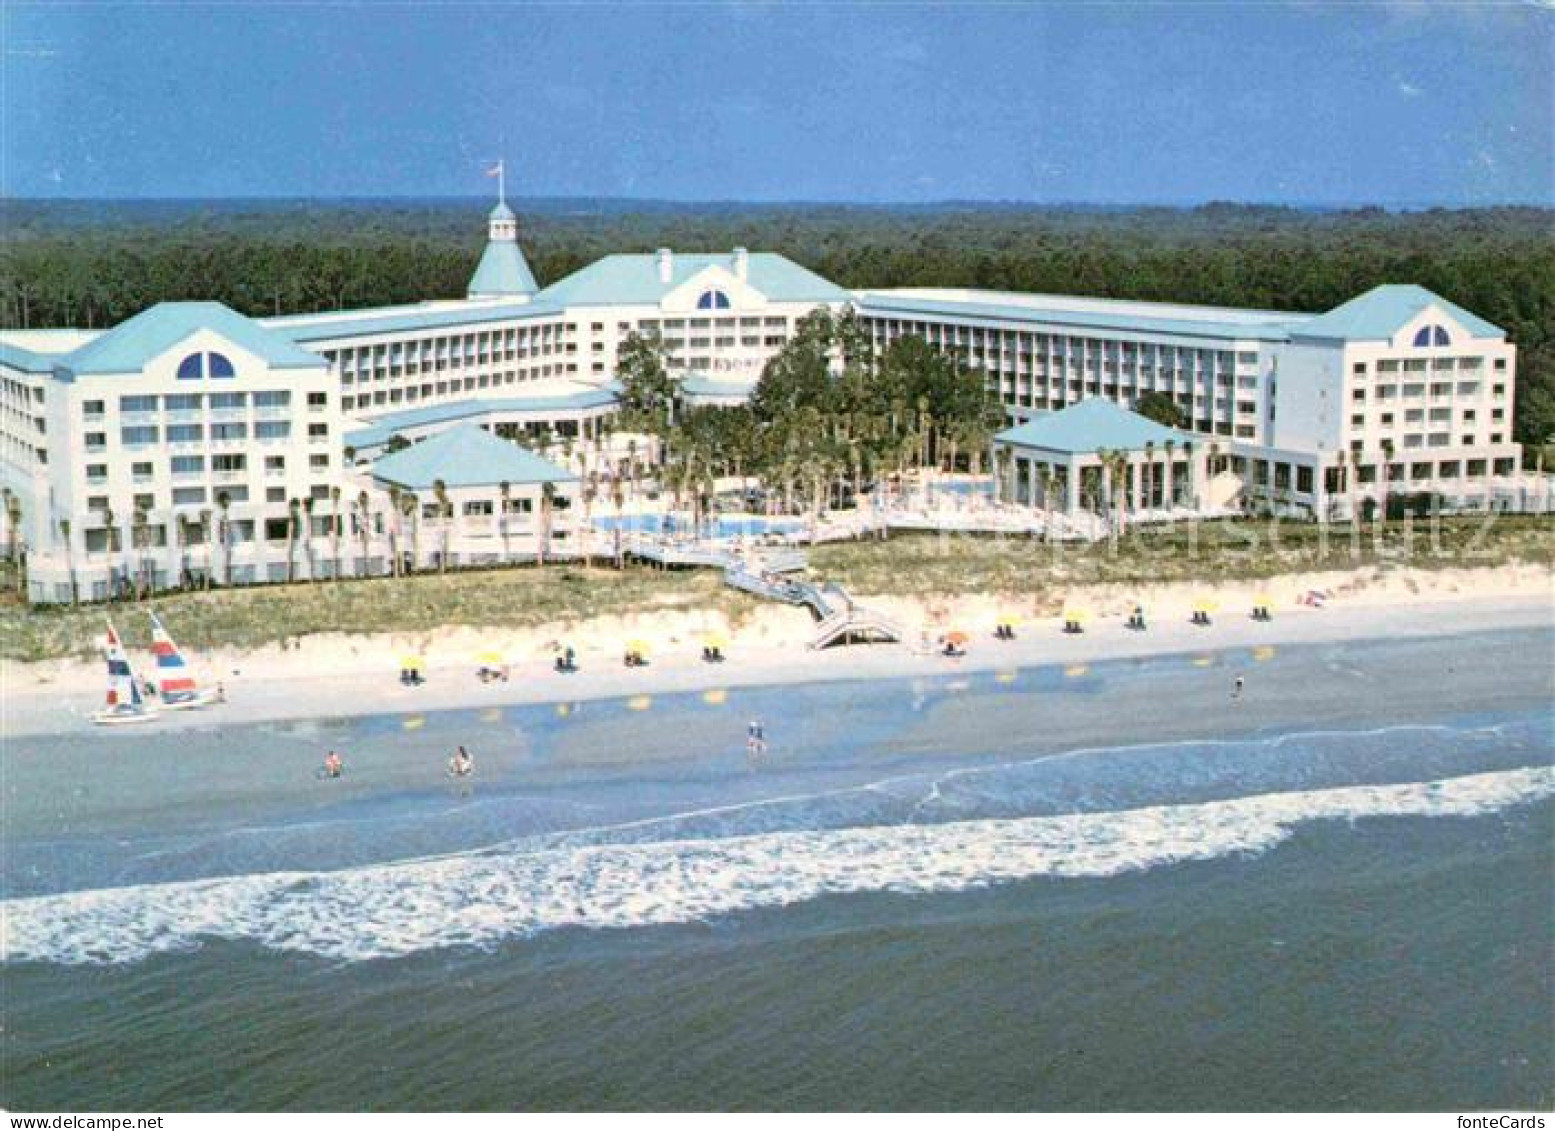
[(123, 693), (175, 683)]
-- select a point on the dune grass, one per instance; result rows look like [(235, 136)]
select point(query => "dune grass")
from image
[(263, 614), (946, 565), (907, 564)]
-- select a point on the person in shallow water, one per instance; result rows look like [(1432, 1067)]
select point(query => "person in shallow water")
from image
[(1236, 688), (333, 766), (462, 764), (756, 737)]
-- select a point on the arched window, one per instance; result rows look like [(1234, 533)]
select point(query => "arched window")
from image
[(220, 366), (192, 368), (713, 300), (1432, 336)]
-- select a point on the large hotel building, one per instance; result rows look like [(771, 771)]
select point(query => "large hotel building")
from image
[(192, 440)]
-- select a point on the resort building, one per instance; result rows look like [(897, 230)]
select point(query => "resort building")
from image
[(1397, 389), (192, 442)]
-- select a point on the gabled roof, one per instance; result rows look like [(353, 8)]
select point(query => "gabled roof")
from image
[(466, 456), (1379, 313), (132, 343), (618, 280), (502, 271), (1091, 426)]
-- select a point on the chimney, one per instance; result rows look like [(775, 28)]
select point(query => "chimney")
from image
[(742, 263), (666, 264)]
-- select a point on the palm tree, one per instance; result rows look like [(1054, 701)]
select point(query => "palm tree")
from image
[(363, 529), (590, 492), (307, 536), (410, 504), (139, 530), (396, 511), (1387, 473), (1149, 479), (445, 511), (547, 499), (224, 502), (334, 508), (1168, 482), (207, 530), (293, 513), (505, 493), (70, 560), (13, 516), (111, 547)]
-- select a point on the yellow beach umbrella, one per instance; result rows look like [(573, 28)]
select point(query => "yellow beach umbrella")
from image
[(490, 659), (638, 646), (1076, 614), (1262, 601), (714, 640), (1205, 605), (1009, 619), (413, 663)]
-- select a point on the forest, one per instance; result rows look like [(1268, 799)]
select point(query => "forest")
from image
[(94, 263)]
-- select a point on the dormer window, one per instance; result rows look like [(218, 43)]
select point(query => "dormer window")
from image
[(1432, 336), (198, 365), (713, 300)]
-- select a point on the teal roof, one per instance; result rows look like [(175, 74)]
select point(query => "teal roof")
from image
[(381, 428), (398, 320), (1258, 326), (466, 456), (502, 271), (502, 211), (28, 361), (132, 343), (1379, 313), (619, 280), (1091, 426)]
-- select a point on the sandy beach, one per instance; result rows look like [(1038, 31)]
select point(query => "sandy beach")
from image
[(329, 676)]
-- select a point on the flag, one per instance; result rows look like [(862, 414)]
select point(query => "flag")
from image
[(495, 170)]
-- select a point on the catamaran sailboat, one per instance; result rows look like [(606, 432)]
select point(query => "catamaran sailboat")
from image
[(176, 685), (125, 704)]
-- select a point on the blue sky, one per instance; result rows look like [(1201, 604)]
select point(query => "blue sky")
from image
[(1175, 103)]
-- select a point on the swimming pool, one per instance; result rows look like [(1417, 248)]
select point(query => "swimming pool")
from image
[(721, 526)]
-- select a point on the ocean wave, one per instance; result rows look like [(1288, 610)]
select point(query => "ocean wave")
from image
[(480, 899)]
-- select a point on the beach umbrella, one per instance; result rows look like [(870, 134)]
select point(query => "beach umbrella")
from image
[(1205, 605), (413, 663), (1009, 619), (1262, 601), (714, 640), (638, 646), (489, 659), (956, 636), (1079, 615)]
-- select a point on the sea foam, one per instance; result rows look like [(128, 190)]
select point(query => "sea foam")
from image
[(482, 898)]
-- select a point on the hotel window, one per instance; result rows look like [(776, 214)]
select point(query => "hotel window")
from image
[(275, 494), (183, 402), (185, 433), (317, 401), (1359, 369), (137, 404), (139, 434), (713, 300), (141, 470), (188, 465), (188, 496), (266, 429), (318, 463), (228, 400), (1432, 336), (235, 431), (91, 408), (318, 431), (266, 398)]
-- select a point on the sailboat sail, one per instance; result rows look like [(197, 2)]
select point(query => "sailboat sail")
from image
[(123, 692), (175, 683)]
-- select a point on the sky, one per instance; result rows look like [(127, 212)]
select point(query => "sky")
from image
[(1309, 103)]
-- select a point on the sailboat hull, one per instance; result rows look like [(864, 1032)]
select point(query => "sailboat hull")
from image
[(111, 718)]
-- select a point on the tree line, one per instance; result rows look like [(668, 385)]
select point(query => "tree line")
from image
[(90, 264)]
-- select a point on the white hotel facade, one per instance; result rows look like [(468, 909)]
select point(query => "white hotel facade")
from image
[(188, 439)]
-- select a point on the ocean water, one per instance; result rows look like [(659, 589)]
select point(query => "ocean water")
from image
[(892, 910)]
